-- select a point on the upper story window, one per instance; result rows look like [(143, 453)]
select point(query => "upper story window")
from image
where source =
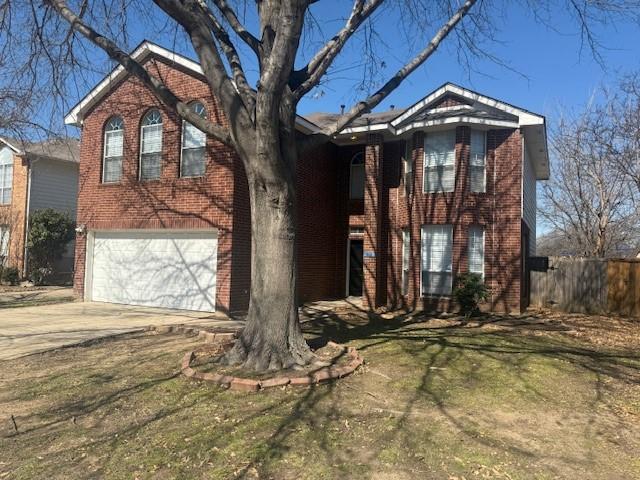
[(194, 142), (113, 150), (356, 177), (439, 161), (6, 176), (151, 146), (478, 161), (407, 168)]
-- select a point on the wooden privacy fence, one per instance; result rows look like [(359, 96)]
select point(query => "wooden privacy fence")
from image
[(588, 285)]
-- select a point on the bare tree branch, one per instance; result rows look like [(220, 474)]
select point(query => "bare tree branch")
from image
[(161, 91), (190, 16), (233, 58), (322, 60), (237, 27), (373, 100)]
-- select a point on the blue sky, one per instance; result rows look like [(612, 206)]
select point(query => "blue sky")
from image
[(551, 73)]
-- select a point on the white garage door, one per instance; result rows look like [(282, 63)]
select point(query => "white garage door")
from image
[(157, 269)]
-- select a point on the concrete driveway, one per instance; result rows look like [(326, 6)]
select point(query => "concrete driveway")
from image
[(28, 330)]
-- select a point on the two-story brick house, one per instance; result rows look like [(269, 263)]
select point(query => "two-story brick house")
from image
[(391, 209)]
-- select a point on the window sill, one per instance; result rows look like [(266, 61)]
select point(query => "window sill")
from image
[(191, 177)]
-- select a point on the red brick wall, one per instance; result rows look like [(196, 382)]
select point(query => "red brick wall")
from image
[(217, 200), (497, 210), (318, 225), (171, 201), (450, 101), (13, 215)]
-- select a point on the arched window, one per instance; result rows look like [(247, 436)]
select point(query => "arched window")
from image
[(6, 175), (151, 146), (356, 177), (113, 150), (194, 141)]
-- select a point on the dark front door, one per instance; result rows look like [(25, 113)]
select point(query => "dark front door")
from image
[(355, 268)]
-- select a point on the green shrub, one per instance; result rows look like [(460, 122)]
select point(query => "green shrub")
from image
[(10, 275), (469, 291), (49, 233)]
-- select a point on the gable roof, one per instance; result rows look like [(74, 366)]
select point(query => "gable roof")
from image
[(63, 149), (461, 106), (141, 53), (468, 107)]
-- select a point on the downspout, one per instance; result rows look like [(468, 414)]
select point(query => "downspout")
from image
[(26, 216)]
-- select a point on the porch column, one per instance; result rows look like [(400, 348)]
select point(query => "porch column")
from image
[(372, 218)]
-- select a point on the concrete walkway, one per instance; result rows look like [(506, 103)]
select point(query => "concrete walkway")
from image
[(28, 330)]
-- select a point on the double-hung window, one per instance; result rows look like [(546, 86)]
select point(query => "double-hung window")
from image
[(113, 150), (476, 250), (194, 142), (406, 256), (437, 244), (356, 177), (4, 242), (151, 146), (439, 161), (407, 168), (478, 161), (6, 176)]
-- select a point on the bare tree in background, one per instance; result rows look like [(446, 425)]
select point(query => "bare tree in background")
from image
[(590, 200), (624, 107), (278, 38)]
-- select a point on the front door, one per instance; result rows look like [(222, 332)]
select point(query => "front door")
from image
[(355, 268)]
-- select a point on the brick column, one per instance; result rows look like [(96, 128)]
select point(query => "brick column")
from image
[(372, 220)]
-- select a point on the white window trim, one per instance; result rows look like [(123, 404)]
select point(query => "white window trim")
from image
[(422, 235), (104, 151), (405, 272), (484, 190), (5, 242), (7, 166), (142, 127), (182, 149), (425, 166), (484, 244), (407, 167)]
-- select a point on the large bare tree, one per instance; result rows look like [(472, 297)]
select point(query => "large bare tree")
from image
[(269, 35), (590, 201)]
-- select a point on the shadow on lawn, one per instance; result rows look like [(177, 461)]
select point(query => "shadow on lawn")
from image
[(512, 343)]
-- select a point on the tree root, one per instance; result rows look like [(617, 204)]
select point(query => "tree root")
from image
[(258, 356)]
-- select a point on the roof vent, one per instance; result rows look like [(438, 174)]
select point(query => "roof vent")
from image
[(341, 109), (392, 107)]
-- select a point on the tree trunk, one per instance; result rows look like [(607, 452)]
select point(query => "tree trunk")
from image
[(272, 338)]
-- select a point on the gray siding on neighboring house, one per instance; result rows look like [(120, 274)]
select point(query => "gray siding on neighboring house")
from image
[(54, 184), (529, 206)]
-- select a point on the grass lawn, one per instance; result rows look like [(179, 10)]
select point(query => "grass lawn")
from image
[(540, 397), (14, 297)]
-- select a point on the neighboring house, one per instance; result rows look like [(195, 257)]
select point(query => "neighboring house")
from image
[(34, 176), (392, 209)]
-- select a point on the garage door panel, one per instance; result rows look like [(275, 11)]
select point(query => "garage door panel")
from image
[(171, 270)]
